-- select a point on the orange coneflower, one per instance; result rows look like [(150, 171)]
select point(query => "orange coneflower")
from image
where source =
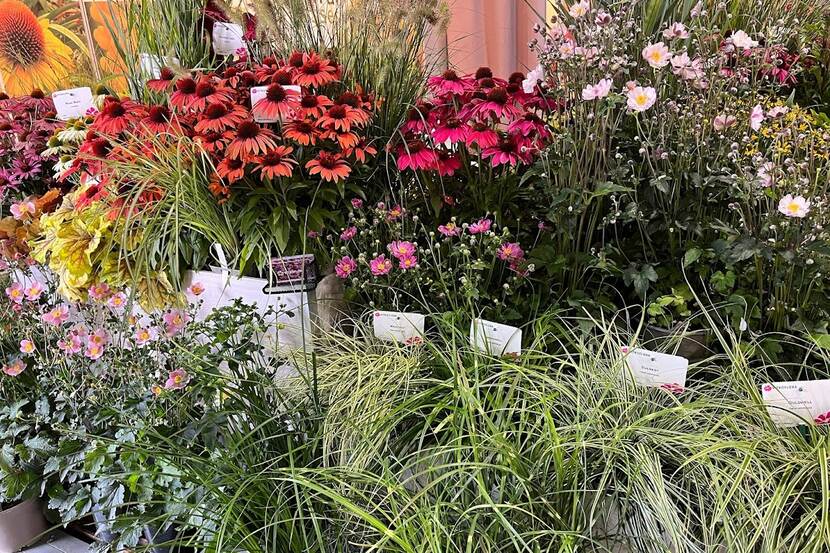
[(361, 151), (214, 142), (331, 167), (117, 115), (164, 81), (251, 140), (231, 169), (184, 93), (313, 106), (207, 92), (281, 77), (31, 56), (159, 119), (344, 139), (301, 131), (315, 71), (340, 118), (276, 163), (218, 117), (279, 103), (219, 189)]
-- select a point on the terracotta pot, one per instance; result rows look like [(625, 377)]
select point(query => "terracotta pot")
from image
[(21, 525), (689, 344)]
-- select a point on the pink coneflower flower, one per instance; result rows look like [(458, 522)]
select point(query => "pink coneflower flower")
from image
[(497, 105), (407, 263), (448, 164), (451, 130), (330, 166), (196, 289), (348, 234), (480, 226), (823, 418), (345, 267), (34, 291), (56, 316), (250, 141), (177, 380), (27, 346), (401, 249), (416, 155), (315, 71), (417, 118), (174, 321), (449, 82), (14, 368), (380, 265), (207, 92), (509, 151), (482, 135), (164, 82), (15, 293), (145, 335), (450, 229), (528, 126), (510, 251)]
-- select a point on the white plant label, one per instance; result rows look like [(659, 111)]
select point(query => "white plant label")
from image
[(151, 65), (496, 339), (227, 38), (72, 103), (258, 93), (394, 326), (797, 402), (660, 370)]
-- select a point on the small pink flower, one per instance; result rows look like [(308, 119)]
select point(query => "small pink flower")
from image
[(34, 291), (380, 265), (450, 229), (723, 121), (767, 387), (145, 335), (348, 234), (15, 368), (510, 251), (394, 213), (94, 351), (71, 345), (99, 337), (756, 117), (312, 234), (27, 346), (21, 209), (676, 30), (641, 98), (99, 292), (156, 390), (480, 226), (597, 91), (824, 418), (401, 249), (56, 316), (196, 289), (15, 293), (674, 388), (175, 321), (345, 267), (117, 301), (409, 262), (357, 203), (177, 380)]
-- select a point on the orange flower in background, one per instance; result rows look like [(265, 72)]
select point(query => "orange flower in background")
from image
[(108, 17), (31, 56)]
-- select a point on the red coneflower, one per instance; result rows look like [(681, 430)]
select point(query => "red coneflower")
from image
[(219, 189), (312, 105), (315, 71), (301, 131), (498, 104), (230, 77), (449, 82), (159, 119), (164, 81), (207, 92), (117, 116), (278, 104), (339, 118), (276, 163), (361, 151), (330, 167), (344, 139), (251, 140), (295, 60), (281, 77), (93, 193), (528, 126), (247, 79), (448, 164), (185, 91), (231, 169), (214, 142), (452, 129), (481, 135), (417, 118), (416, 155), (510, 150), (219, 117)]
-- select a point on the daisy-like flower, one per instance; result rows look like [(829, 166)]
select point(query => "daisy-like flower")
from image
[(251, 140), (14, 368), (156, 390), (401, 249), (94, 351), (15, 293), (56, 316), (597, 91), (99, 336), (345, 140), (361, 151), (117, 301), (345, 267), (219, 117), (164, 81), (117, 116), (22, 210), (276, 163), (481, 226), (207, 92), (331, 167), (723, 121), (497, 105), (756, 117), (183, 94), (231, 169), (159, 120), (177, 380), (339, 117), (657, 55), (511, 150), (394, 213), (315, 71), (417, 118), (482, 135), (278, 104), (99, 292), (145, 335), (447, 164), (196, 289), (510, 251), (348, 234), (449, 82), (641, 98), (794, 206), (535, 76), (407, 263), (214, 142), (301, 131), (450, 229), (450, 131), (312, 105), (34, 291), (380, 265), (416, 155), (174, 321), (580, 9), (676, 30), (742, 40), (27, 346), (528, 126)]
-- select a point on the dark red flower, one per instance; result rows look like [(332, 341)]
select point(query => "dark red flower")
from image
[(184, 93), (163, 82)]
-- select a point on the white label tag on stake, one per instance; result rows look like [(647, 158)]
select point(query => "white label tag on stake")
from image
[(394, 326), (227, 38), (496, 339), (259, 92), (660, 370), (151, 65), (72, 103), (797, 402)]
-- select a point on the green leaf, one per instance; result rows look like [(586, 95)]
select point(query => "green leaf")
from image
[(691, 256)]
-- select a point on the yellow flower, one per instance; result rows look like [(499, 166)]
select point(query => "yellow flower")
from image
[(31, 56)]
